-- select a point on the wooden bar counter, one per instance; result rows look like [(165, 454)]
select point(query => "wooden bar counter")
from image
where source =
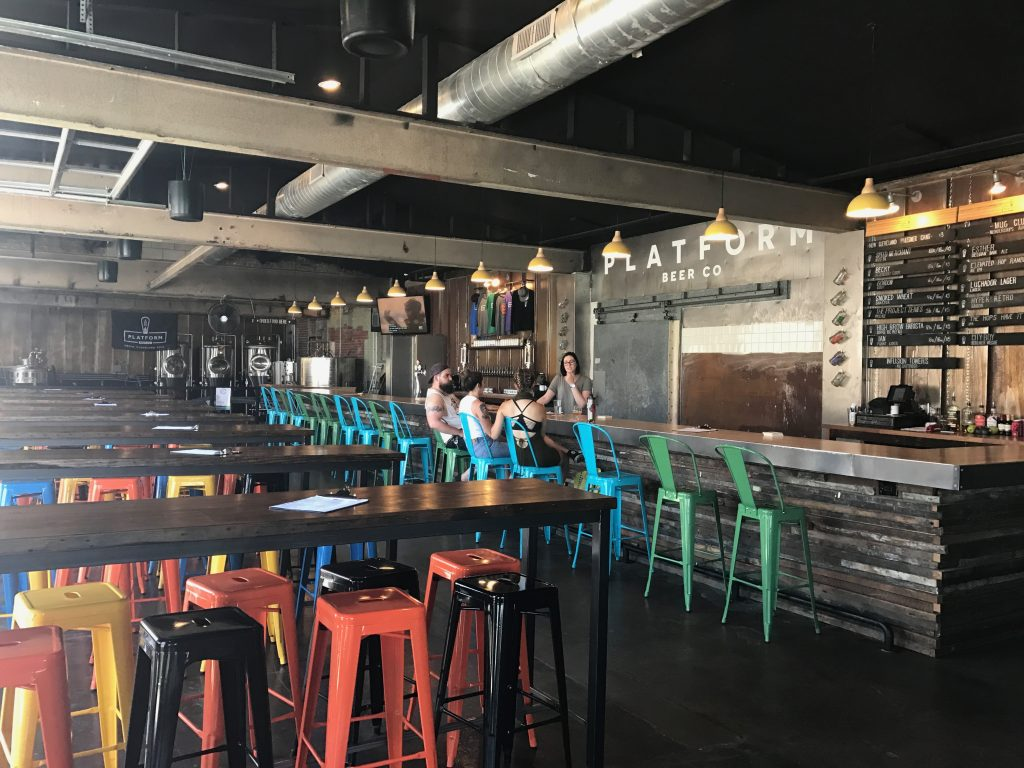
[(926, 536)]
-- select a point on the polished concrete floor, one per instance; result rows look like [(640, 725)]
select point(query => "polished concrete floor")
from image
[(685, 690)]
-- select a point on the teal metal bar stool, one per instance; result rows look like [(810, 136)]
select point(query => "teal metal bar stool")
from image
[(515, 432), (482, 465), (278, 412), (688, 500), (11, 492), (408, 443), (363, 421), (610, 483), (343, 413), (770, 521)]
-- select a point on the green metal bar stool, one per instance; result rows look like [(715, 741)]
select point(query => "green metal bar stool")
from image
[(330, 429), (688, 501), (770, 521), (386, 437), (449, 463)]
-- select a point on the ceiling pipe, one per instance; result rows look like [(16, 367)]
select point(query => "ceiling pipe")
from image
[(588, 35)]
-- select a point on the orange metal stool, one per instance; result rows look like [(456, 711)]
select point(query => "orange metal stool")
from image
[(128, 488), (344, 619), (34, 659), (260, 594), (461, 564)]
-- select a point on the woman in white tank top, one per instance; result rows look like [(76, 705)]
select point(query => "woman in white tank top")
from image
[(479, 440)]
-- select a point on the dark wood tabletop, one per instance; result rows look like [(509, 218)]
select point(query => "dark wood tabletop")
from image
[(56, 433), (56, 463)]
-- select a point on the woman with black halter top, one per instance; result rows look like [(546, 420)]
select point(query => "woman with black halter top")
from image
[(529, 414)]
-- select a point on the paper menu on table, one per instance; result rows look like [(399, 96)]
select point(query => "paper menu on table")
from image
[(319, 504), (154, 414), (105, 405), (199, 452), (193, 428)]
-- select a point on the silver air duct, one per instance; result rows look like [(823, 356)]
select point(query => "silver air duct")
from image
[(570, 42), (565, 45)]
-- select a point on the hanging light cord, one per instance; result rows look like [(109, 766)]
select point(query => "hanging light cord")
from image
[(871, 95)]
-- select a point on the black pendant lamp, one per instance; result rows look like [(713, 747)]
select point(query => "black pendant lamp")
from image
[(185, 198), (129, 250)]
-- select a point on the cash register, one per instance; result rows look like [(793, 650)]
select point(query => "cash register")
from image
[(879, 412)]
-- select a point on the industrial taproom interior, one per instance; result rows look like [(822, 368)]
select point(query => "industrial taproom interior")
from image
[(511, 384)]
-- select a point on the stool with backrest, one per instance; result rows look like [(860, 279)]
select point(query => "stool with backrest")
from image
[(450, 566), (375, 573), (32, 660), (261, 595), (504, 600), (449, 461), (314, 419), (770, 521), (168, 645), (483, 464), (103, 611), (346, 419), (16, 494), (367, 432), (266, 403), (688, 500), (277, 413), (610, 483), (386, 437), (516, 435), (408, 443), (344, 620), (296, 409), (330, 429)]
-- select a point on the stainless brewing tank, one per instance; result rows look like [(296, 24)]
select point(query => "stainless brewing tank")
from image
[(318, 371)]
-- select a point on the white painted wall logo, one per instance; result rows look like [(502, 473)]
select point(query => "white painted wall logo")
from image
[(687, 259)]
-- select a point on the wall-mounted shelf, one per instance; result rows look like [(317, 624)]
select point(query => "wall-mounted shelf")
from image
[(498, 342)]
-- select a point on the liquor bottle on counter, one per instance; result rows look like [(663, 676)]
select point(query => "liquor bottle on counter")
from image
[(978, 420), (992, 422), (953, 415), (590, 408), (1004, 425)]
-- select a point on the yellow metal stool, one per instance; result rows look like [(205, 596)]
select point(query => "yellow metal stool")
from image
[(68, 488), (102, 610), (178, 483)]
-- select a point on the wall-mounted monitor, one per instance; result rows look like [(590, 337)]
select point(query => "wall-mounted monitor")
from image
[(404, 315)]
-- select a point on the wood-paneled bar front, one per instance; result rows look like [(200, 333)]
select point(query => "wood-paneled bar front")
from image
[(924, 539)]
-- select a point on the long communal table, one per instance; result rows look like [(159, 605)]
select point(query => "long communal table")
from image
[(56, 433), (301, 462), (59, 536), (71, 417)]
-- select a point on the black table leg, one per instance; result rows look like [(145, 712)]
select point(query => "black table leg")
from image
[(596, 679), (529, 566), (393, 549)]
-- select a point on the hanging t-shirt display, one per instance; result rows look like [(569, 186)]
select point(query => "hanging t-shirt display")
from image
[(508, 311), (473, 313), (522, 310), (481, 315), (490, 314)]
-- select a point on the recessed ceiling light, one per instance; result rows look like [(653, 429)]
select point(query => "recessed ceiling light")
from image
[(221, 185), (330, 84)]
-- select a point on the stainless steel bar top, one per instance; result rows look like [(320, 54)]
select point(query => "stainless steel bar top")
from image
[(977, 463)]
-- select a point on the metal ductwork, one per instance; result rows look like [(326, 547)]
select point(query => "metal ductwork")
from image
[(570, 42), (565, 45)]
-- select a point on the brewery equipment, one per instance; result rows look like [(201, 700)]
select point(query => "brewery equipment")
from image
[(318, 372), (32, 371), (259, 358), (172, 366), (217, 367), (282, 373)]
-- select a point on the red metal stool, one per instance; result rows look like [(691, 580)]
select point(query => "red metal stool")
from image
[(344, 619), (260, 594), (34, 658), (461, 564)]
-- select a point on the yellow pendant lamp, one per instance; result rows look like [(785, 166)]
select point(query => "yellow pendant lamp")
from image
[(337, 301), (481, 275), (616, 247), (868, 204), (396, 291), (540, 263), (721, 229), (434, 283), (364, 297), (294, 309), (314, 305)]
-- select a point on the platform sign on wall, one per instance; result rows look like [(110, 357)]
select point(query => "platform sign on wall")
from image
[(143, 331)]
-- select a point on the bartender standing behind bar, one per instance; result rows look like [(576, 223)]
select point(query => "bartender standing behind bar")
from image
[(570, 387)]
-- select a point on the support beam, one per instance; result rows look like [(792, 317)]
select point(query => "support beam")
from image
[(131, 168), (23, 213), (53, 90), (60, 160)]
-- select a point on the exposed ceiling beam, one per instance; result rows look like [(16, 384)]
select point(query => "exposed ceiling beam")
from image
[(23, 213), (60, 160), (131, 168), (68, 93)]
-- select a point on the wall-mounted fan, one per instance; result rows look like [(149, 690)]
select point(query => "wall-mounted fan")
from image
[(223, 318)]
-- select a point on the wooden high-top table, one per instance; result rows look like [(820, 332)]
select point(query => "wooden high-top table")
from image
[(56, 433), (60, 536)]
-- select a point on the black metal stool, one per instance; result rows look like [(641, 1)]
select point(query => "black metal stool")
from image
[(168, 644), (374, 573), (505, 599)]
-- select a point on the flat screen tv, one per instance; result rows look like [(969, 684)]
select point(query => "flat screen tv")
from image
[(400, 316)]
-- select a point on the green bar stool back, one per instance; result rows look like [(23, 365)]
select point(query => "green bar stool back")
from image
[(770, 520), (386, 437), (330, 429), (449, 462), (363, 421), (688, 500)]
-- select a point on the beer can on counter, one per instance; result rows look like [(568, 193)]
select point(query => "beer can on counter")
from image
[(1017, 428)]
